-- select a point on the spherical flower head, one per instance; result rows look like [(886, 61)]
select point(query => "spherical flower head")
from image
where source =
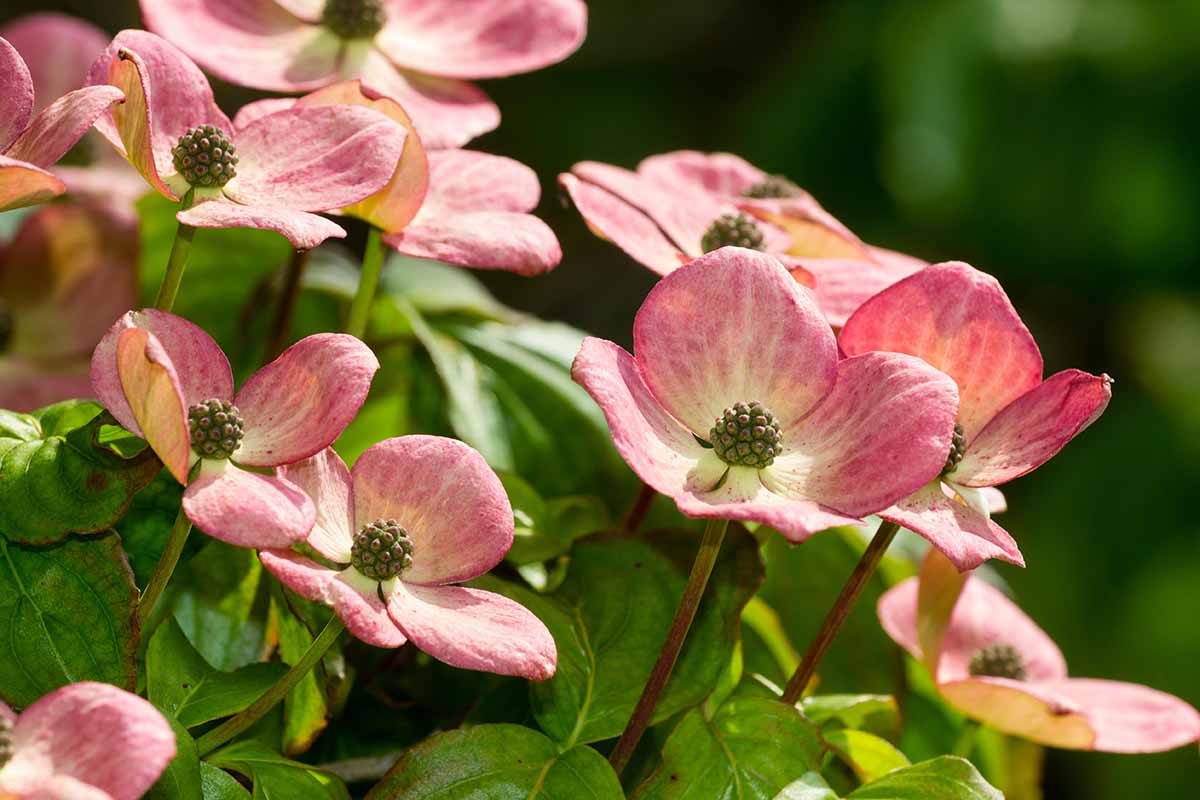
[(738, 230), (958, 448), (354, 19), (205, 157), (998, 661), (773, 187), (382, 550), (747, 435), (215, 427)]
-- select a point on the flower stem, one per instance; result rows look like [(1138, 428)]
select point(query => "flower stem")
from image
[(639, 509), (272, 697), (841, 609), (368, 283), (702, 567), (166, 566), (177, 261), (289, 295)]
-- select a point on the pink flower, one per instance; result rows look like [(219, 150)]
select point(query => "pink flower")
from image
[(680, 204), (417, 52), (30, 143), (416, 513), (167, 381), (457, 206), (1010, 421), (994, 664), (269, 175), (86, 741), (735, 404)]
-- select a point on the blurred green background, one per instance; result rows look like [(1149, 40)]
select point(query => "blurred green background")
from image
[(1049, 142)]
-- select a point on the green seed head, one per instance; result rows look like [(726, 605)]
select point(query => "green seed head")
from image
[(958, 448), (773, 187), (354, 19), (6, 730), (747, 435), (998, 661), (381, 550), (216, 429), (205, 157), (737, 229)]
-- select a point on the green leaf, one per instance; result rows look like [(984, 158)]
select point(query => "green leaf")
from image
[(867, 754), (437, 288), (877, 713), (217, 784), (55, 479), (67, 614), (545, 529), (221, 604), (276, 777), (223, 694), (181, 779), (174, 668), (147, 524), (751, 749), (306, 712), (943, 778), (497, 762), (810, 787)]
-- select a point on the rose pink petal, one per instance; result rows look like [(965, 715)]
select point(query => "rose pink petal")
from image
[(205, 371), (960, 321), (57, 48), (719, 173), (474, 629), (1128, 718), (1033, 428), (62, 787), (502, 240), (354, 597), (481, 38), (733, 326), (246, 508), (298, 404), (152, 389), (467, 180), (98, 734), (16, 94), (961, 533), (254, 111), (61, 124), (448, 499), (812, 231), (315, 158), (843, 284), (325, 478), (304, 230), (627, 227), (24, 184), (1034, 711), (249, 42)]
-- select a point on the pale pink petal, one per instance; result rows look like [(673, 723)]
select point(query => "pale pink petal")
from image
[(61, 124), (502, 240), (611, 218), (248, 509), (961, 533), (445, 496), (690, 170), (467, 180), (1033, 428), (16, 94), (27, 384), (733, 326), (315, 158), (897, 612), (256, 110), (1034, 711), (57, 48), (473, 629), (960, 321), (481, 38), (155, 396), (1128, 718), (351, 595), (23, 184), (203, 370), (96, 733), (307, 10), (298, 404), (61, 787), (7, 715), (995, 499), (248, 42), (304, 230), (842, 284), (325, 478)]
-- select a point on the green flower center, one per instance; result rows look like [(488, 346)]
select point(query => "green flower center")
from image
[(204, 156), (381, 550), (747, 435), (6, 730), (998, 661), (354, 19), (737, 229), (773, 187), (216, 429), (958, 448)]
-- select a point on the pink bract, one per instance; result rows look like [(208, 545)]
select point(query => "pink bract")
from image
[(959, 320), (733, 326), (30, 143), (86, 741), (151, 367), (291, 163), (659, 214), (422, 57), (460, 524), (946, 620)]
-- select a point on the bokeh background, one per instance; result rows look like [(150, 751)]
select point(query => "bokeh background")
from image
[(1049, 142)]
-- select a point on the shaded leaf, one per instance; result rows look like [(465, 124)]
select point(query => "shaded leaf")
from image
[(943, 778), (276, 777), (877, 713), (217, 784), (181, 779), (221, 604)]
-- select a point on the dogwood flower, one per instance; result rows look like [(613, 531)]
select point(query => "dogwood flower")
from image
[(1010, 421), (30, 143), (735, 403), (416, 514), (418, 52), (167, 381), (994, 664), (86, 741), (270, 174), (680, 204)]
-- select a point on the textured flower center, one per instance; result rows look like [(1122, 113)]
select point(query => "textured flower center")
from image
[(747, 435), (6, 731), (381, 550), (737, 229), (204, 156), (958, 448), (998, 661), (771, 187), (216, 428), (354, 19)]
